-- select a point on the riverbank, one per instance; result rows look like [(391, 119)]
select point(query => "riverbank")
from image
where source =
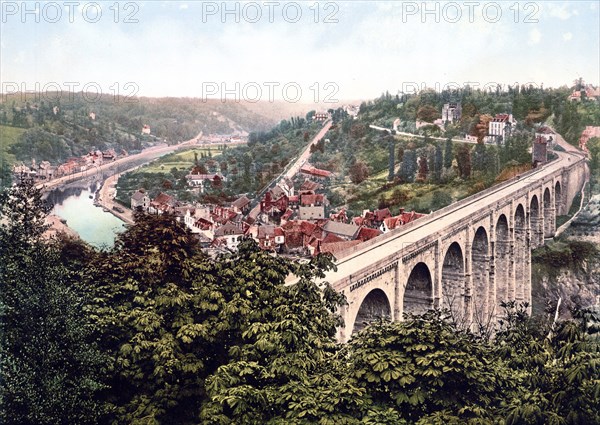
[(105, 198), (58, 226)]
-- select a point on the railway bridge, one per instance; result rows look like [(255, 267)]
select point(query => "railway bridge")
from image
[(467, 257)]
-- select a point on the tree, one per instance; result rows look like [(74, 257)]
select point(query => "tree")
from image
[(593, 146), (423, 168), (427, 371), (202, 341), (479, 158), (463, 159), (391, 160), (357, 131), (428, 113), (359, 172), (481, 128), (556, 364), (408, 168), (448, 154), (400, 153), (438, 163), (50, 366)]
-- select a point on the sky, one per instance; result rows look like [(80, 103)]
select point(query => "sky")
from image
[(307, 51)]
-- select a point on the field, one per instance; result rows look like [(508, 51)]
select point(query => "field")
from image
[(180, 160), (8, 136)]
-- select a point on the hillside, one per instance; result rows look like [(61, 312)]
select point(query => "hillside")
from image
[(8, 137), (377, 170), (54, 128), (247, 168)]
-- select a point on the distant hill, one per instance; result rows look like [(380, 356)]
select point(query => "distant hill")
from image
[(56, 126)]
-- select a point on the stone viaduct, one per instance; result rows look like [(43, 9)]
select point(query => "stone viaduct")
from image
[(467, 257)]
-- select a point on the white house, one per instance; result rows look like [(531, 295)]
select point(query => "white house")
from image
[(199, 180), (500, 127), (140, 199)]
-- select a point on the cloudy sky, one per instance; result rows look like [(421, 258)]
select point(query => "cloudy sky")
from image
[(315, 50)]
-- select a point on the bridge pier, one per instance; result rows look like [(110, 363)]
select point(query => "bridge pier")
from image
[(479, 257), (549, 222), (468, 284), (510, 283), (398, 295)]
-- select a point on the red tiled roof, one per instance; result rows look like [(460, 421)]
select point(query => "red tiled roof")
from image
[(163, 198), (315, 171), (501, 118), (307, 228), (307, 200), (337, 247), (411, 216), (330, 238), (366, 233), (380, 215), (309, 185)]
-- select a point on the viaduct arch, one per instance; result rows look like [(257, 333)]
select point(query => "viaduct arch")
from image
[(468, 257)]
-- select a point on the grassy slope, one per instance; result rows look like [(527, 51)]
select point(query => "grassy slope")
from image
[(8, 136), (180, 160)]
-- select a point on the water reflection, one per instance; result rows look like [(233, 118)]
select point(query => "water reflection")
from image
[(76, 205)]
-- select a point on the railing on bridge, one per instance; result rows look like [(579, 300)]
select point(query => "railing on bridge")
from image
[(456, 205)]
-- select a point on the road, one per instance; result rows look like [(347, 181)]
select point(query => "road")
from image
[(119, 165), (292, 169), (295, 168), (402, 133), (106, 196)]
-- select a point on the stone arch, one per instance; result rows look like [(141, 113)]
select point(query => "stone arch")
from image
[(480, 269), (520, 254), (535, 222), (453, 281), (374, 306), (418, 294), (548, 214), (502, 263), (558, 203)]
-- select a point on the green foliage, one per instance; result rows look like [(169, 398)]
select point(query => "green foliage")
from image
[(424, 366), (463, 159), (72, 132), (593, 146), (408, 167), (8, 136), (448, 154), (359, 172), (563, 253), (50, 366), (222, 338), (558, 375)]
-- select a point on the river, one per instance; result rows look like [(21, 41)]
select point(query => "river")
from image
[(94, 226)]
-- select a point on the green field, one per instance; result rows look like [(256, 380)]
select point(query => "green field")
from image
[(8, 136), (179, 160)]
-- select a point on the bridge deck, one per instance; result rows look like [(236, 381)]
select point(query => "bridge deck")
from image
[(402, 239)]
